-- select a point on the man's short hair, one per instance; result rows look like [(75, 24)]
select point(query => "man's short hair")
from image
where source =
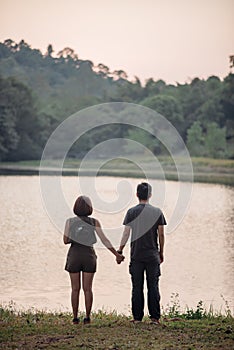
[(144, 191)]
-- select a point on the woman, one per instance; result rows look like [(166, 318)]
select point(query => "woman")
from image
[(81, 258)]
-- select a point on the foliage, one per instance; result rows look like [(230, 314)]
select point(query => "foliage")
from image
[(142, 139), (210, 143), (174, 310), (198, 314), (22, 129), (55, 86), (195, 139), (166, 105), (215, 141)]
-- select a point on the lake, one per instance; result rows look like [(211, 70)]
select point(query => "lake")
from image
[(199, 253)]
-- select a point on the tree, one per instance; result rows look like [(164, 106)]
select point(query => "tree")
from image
[(11, 45), (195, 140), (4, 51), (68, 54), (143, 138), (213, 83), (167, 106), (49, 50), (26, 56), (20, 126), (8, 136), (215, 141), (192, 96), (154, 87), (211, 111), (128, 91), (103, 70), (65, 83), (120, 75), (231, 60), (227, 97), (227, 103)]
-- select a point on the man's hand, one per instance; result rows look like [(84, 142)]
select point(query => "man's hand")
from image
[(119, 258), (161, 257)]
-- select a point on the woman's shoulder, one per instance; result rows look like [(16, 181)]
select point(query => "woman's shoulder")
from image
[(93, 221), (72, 219), (88, 219)]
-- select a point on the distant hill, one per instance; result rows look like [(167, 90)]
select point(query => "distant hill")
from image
[(38, 91), (62, 81)]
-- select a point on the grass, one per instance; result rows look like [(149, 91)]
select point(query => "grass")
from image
[(193, 329), (205, 169)]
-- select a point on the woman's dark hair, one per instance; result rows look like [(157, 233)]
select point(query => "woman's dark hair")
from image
[(83, 206), (144, 191)]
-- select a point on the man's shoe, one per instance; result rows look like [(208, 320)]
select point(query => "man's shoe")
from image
[(135, 321), (154, 321)]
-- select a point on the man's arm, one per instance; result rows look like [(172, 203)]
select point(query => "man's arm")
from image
[(125, 237), (161, 241)]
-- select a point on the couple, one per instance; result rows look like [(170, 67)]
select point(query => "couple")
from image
[(145, 223)]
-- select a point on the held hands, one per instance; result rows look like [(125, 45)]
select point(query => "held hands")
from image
[(119, 257)]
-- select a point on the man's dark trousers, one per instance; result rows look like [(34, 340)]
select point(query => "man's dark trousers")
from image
[(152, 269)]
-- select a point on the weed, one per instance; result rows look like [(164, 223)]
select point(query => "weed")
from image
[(198, 314), (227, 307), (173, 308)]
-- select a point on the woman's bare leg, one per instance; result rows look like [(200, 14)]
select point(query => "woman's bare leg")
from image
[(87, 280), (75, 285)]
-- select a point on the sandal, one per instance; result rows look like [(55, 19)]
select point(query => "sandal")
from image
[(87, 320), (76, 320)]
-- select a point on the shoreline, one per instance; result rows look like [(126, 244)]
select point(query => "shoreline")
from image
[(205, 170), (222, 178)]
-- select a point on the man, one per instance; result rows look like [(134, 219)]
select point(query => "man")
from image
[(146, 225)]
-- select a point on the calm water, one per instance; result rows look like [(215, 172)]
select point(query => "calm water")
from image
[(199, 254)]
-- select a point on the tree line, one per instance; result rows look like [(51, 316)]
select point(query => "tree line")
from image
[(38, 91)]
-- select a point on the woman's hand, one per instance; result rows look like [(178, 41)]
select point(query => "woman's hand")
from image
[(119, 258)]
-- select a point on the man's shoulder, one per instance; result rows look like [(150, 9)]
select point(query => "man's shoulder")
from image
[(134, 209), (148, 207), (153, 208)]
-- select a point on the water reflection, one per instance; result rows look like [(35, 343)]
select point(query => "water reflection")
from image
[(199, 255)]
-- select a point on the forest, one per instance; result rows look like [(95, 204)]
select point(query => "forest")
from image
[(38, 91)]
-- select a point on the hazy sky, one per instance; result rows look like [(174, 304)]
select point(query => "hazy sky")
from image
[(174, 40)]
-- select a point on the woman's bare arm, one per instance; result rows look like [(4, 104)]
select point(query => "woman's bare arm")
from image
[(106, 241), (66, 239)]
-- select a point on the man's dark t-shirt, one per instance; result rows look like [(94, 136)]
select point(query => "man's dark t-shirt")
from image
[(144, 220)]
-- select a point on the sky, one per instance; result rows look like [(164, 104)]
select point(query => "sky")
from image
[(173, 40)]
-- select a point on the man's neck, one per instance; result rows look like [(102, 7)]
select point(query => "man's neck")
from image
[(142, 201)]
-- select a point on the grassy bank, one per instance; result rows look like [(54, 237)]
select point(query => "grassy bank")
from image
[(205, 169), (39, 330)]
